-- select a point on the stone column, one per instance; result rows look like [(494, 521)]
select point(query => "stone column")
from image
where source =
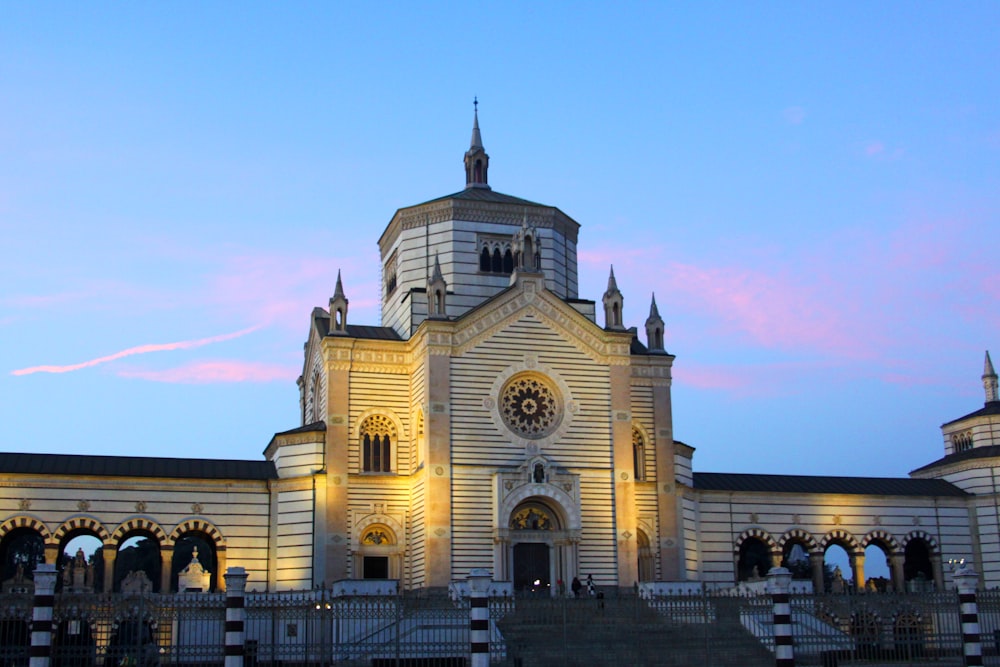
[(52, 554), (816, 561), (437, 425), (966, 581), (779, 583), (938, 572), (669, 544), (236, 614), (41, 615), (479, 617), (333, 539), (858, 570), (166, 569), (896, 572), (110, 553)]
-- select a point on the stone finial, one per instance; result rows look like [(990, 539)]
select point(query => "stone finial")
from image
[(613, 303), (338, 309), (990, 380), (654, 328), (437, 291), (527, 248)]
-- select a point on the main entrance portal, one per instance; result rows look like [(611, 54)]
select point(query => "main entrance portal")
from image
[(531, 567)]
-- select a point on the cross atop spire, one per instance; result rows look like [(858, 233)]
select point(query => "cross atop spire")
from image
[(477, 162)]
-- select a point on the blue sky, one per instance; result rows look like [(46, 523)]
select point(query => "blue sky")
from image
[(811, 190)]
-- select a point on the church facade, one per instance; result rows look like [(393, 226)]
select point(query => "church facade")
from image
[(494, 420)]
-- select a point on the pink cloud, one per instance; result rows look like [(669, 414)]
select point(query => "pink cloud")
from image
[(140, 349), (874, 148), (210, 372), (794, 115)]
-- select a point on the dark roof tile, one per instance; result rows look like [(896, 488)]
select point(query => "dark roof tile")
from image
[(969, 454), (133, 466), (801, 484)]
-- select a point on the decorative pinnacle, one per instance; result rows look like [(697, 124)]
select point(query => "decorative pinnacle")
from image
[(339, 290), (653, 310), (436, 274), (988, 367), (477, 139), (612, 283)]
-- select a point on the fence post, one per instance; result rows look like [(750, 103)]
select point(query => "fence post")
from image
[(779, 583), (236, 614), (479, 617), (41, 615), (966, 580)]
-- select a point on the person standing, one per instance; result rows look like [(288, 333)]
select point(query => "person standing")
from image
[(591, 589), (576, 586)]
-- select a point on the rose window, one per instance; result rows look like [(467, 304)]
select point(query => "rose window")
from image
[(529, 407)]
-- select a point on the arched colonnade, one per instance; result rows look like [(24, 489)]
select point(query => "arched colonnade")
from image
[(914, 556), (27, 535)]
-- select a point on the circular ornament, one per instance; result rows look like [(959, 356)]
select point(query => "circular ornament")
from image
[(529, 406)]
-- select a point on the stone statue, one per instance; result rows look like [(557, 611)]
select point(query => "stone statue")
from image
[(837, 584)]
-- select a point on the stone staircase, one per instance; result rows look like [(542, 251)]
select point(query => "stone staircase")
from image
[(622, 632)]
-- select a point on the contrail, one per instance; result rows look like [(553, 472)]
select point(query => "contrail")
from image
[(140, 349)]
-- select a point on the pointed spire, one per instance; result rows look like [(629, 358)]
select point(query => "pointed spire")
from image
[(612, 283), (990, 380), (477, 139), (654, 328), (436, 273), (477, 162), (338, 291)]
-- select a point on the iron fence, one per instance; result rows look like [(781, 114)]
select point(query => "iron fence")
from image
[(325, 628)]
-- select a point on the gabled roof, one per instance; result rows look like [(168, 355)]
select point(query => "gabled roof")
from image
[(968, 455), (134, 466), (991, 408), (804, 484)]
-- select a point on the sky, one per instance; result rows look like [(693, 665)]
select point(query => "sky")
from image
[(812, 191)]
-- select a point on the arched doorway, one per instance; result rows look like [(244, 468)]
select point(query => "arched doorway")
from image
[(80, 563), (754, 560), (534, 530), (138, 557), (185, 548), (647, 565), (21, 550), (918, 571)]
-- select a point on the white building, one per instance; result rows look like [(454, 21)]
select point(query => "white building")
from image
[(495, 420)]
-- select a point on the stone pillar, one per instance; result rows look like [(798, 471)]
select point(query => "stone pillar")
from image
[(858, 570), (896, 572), (479, 617), (437, 424), (334, 538), (110, 553), (41, 615), (236, 614), (966, 581), (669, 494), (52, 554), (167, 568), (626, 519), (938, 572), (816, 561), (220, 567), (779, 583)]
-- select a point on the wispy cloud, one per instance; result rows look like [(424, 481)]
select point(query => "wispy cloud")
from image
[(210, 372), (139, 349)]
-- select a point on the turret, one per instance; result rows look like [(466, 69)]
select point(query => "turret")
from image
[(654, 328), (437, 290), (338, 309), (990, 380), (613, 302), (477, 162)]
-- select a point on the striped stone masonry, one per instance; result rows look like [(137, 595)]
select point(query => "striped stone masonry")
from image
[(236, 614), (41, 616), (779, 580), (966, 580), (479, 617)]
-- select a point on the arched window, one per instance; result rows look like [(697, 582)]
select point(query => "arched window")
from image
[(497, 264), (962, 442), (484, 260), (377, 436), (638, 454), (508, 262)]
